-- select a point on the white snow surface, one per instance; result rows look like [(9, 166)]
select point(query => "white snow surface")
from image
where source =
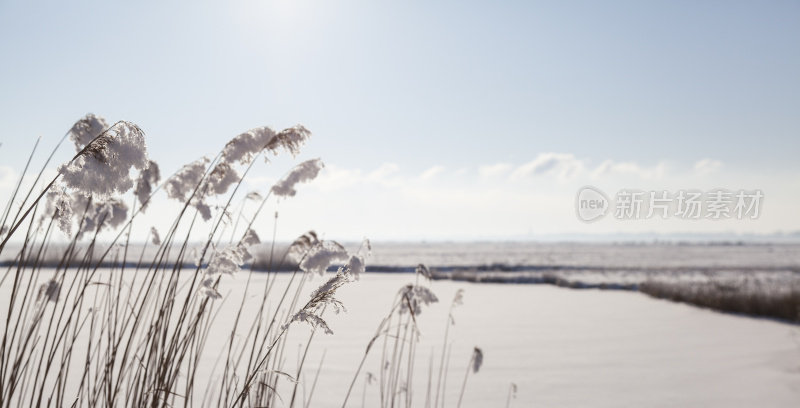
[(562, 347)]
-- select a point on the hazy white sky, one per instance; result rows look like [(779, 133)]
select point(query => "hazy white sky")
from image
[(437, 120)]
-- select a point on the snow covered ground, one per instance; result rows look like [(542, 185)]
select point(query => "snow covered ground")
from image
[(561, 347), (567, 348)]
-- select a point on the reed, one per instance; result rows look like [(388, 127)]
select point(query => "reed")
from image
[(103, 323), (752, 298), (105, 327)]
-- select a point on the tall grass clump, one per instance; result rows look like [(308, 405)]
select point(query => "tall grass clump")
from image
[(93, 324), (396, 340), (752, 297), (102, 323)]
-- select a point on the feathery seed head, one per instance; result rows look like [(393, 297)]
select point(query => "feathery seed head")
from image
[(221, 178), (104, 166), (208, 290), (109, 212), (59, 205), (355, 266), (86, 129), (322, 255), (310, 318), (243, 147), (477, 359), (303, 172), (322, 297), (49, 291), (228, 261), (148, 177), (155, 239), (181, 185), (424, 271), (250, 238), (324, 294), (458, 299), (289, 139), (416, 296), (303, 244)]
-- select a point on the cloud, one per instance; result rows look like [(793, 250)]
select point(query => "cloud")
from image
[(383, 172), (387, 201), (431, 172), (559, 166), (494, 170), (707, 166), (7, 176), (563, 165), (333, 177), (610, 167)]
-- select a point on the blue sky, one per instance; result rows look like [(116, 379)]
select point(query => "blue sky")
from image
[(426, 110)]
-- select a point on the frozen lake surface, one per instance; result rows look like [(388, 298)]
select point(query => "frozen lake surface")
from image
[(561, 347), (578, 348)]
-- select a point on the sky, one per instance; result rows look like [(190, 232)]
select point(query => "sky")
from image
[(436, 120)]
